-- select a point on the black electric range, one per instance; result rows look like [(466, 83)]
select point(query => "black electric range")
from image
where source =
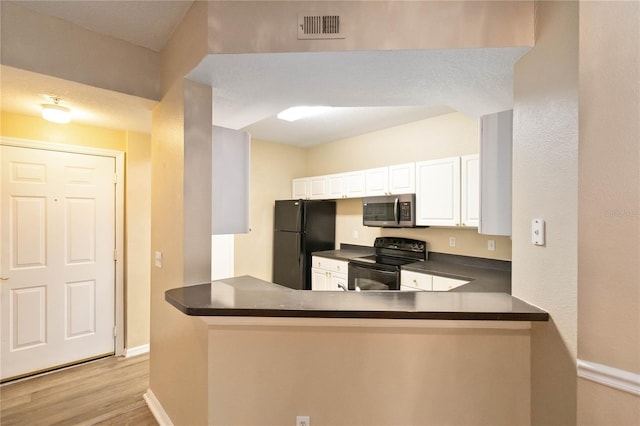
[(381, 271)]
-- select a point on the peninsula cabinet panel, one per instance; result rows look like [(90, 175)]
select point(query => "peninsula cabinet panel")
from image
[(438, 192)]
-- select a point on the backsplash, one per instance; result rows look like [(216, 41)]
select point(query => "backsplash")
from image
[(468, 242)]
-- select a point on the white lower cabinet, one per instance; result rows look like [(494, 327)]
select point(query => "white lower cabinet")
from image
[(328, 274), (417, 281), (446, 284)]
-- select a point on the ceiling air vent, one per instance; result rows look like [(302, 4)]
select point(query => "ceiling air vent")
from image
[(311, 27)]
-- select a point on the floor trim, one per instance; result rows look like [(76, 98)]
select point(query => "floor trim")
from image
[(136, 350), (156, 409), (623, 380)]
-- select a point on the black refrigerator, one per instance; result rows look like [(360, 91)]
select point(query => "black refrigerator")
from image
[(300, 228)]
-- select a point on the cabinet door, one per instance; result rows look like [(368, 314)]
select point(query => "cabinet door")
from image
[(300, 189), (416, 280), (318, 189), (337, 282), (319, 279), (402, 178), (446, 284), (354, 184), (438, 192), (336, 186), (377, 181), (470, 190)]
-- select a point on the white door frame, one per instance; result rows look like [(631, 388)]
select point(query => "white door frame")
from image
[(118, 156)]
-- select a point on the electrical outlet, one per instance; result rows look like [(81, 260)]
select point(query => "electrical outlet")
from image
[(303, 421), (452, 241), (491, 245)]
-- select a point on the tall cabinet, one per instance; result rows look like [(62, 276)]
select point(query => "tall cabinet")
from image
[(496, 145)]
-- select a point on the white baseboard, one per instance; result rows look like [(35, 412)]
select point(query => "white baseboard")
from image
[(158, 412), (625, 381), (136, 350)]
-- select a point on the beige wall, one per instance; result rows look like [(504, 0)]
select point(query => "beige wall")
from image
[(609, 215), (368, 376), (545, 185), (180, 158), (58, 48), (438, 137), (272, 168), (138, 237), (176, 339), (137, 194), (260, 26)]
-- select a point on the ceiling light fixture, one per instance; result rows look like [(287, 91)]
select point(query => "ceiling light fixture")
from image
[(56, 113), (298, 112)]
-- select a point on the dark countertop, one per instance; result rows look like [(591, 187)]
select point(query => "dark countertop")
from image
[(346, 252), (485, 275), (248, 296)]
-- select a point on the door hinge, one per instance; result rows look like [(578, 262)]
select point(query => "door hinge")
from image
[(115, 178), (115, 255), (115, 331)]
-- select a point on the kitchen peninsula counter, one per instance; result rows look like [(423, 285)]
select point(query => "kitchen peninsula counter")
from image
[(246, 296)]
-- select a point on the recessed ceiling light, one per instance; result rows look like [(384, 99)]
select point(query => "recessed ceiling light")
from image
[(298, 112), (56, 113)]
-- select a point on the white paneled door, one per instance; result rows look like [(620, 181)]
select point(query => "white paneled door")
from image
[(58, 249)]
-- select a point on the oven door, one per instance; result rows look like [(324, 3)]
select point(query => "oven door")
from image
[(373, 277)]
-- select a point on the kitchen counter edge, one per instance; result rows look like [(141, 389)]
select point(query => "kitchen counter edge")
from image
[(247, 296)]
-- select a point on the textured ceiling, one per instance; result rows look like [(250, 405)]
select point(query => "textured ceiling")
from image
[(24, 92), (250, 89), (375, 89)]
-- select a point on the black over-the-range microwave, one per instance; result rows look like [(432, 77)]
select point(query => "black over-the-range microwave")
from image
[(390, 211)]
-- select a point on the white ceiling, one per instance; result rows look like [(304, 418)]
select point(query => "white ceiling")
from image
[(250, 89), (375, 89)]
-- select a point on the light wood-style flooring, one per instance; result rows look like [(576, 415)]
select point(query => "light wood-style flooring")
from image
[(103, 392)]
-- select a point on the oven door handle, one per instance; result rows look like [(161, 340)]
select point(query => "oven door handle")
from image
[(396, 210)]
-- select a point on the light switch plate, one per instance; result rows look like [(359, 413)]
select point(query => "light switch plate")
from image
[(537, 232), (158, 259)]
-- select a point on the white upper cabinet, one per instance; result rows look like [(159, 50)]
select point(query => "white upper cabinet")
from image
[(438, 192), (496, 135), (402, 178), (355, 184), (447, 191), (397, 179), (318, 188), (470, 190), (376, 181), (300, 189), (346, 185)]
